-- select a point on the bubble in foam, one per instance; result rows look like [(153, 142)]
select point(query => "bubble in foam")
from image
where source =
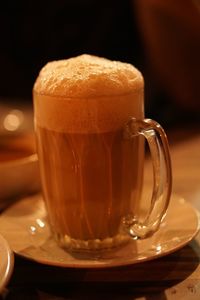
[(87, 93)]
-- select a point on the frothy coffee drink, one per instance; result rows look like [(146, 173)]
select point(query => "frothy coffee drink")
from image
[(91, 175)]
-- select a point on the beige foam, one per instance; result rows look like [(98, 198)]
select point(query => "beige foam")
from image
[(87, 94)]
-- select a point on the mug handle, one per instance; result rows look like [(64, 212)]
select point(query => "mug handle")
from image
[(162, 176)]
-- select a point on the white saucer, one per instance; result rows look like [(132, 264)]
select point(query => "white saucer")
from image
[(6, 263), (25, 228)]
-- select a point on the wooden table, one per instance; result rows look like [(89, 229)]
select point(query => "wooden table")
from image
[(176, 276)]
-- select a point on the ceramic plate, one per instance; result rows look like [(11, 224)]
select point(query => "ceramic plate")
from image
[(6, 263), (19, 173), (25, 227)]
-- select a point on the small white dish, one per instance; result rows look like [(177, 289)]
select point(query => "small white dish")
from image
[(6, 263), (25, 227)]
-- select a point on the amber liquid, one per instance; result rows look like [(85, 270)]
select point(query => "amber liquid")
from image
[(90, 181)]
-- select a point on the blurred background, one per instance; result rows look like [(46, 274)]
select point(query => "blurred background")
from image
[(159, 37)]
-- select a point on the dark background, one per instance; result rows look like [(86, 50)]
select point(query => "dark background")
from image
[(35, 32)]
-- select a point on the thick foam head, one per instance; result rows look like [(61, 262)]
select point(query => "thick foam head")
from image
[(87, 93)]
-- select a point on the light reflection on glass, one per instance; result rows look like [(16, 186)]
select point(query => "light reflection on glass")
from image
[(158, 248), (32, 229), (40, 223)]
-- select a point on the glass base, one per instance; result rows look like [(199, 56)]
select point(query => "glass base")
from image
[(96, 245)]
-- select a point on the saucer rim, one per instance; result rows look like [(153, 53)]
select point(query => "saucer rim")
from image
[(8, 258), (120, 263)]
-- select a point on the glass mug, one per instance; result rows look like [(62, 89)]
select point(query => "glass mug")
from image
[(91, 156)]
